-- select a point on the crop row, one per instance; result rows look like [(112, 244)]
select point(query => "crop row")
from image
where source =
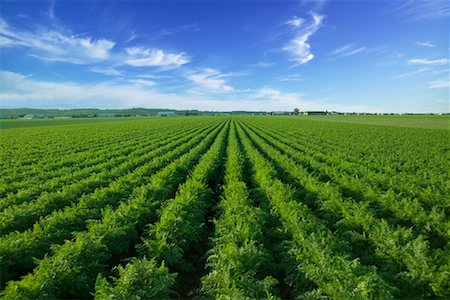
[(229, 208), (395, 166), (319, 254), (72, 268), (17, 249), (50, 166), (180, 229), (19, 217), (425, 266)]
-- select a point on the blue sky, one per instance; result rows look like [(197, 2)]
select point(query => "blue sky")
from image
[(362, 56)]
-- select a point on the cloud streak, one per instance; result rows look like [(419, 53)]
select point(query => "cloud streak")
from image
[(414, 10), (411, 74), (426, 44), (143, 82), (348, 50), (290, 78), (106, 71), (439, 84), (425, 61), (299, 47)]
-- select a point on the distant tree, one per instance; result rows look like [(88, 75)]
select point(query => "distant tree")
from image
[(296, 111)]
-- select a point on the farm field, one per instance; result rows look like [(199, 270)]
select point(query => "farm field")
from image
[(226, 207), (20, 123)]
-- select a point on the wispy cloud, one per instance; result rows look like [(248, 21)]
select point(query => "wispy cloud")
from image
[(57, 46), (51, 10), (106, 71), (426, 44), (290, 78), (342, 49), (151, 76), (411, 74), (262, 64), (299, 46), (295, 22), (132, 37), (348, 50), (414, 10), (143, 82), (195, 27), (439, 84), (425, 61), (354, 51), (210, 79), (145, 57)]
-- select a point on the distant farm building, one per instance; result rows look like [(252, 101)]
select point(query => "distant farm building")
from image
[(315, 113), (166, 113), (280, 113)]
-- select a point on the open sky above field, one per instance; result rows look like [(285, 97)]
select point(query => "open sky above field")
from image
[(363, 56)]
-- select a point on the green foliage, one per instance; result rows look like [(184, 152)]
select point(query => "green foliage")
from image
[(181, 225), (18, 249), (67, 272), (314, 246), (140, 279), (227, 208), (238, 262)]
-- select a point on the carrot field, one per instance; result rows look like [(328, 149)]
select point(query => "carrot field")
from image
[(231, 207)]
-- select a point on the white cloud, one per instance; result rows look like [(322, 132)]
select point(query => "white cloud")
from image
[(295, 22), (299, 47), (17, 90), (6, 42), (355, 51), (348, 50), (269, 93), (292, 77), (439, 84), (143, 82), (275, 100), (342, 49), (151, 76), (426, 44), (51, 10), (425, 61), (53, 45), (410, 74), (262, 64), (56, 46), (106, 71), (210, 79), (414, 10), (144, 57), (23, 91), (132, 37)]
